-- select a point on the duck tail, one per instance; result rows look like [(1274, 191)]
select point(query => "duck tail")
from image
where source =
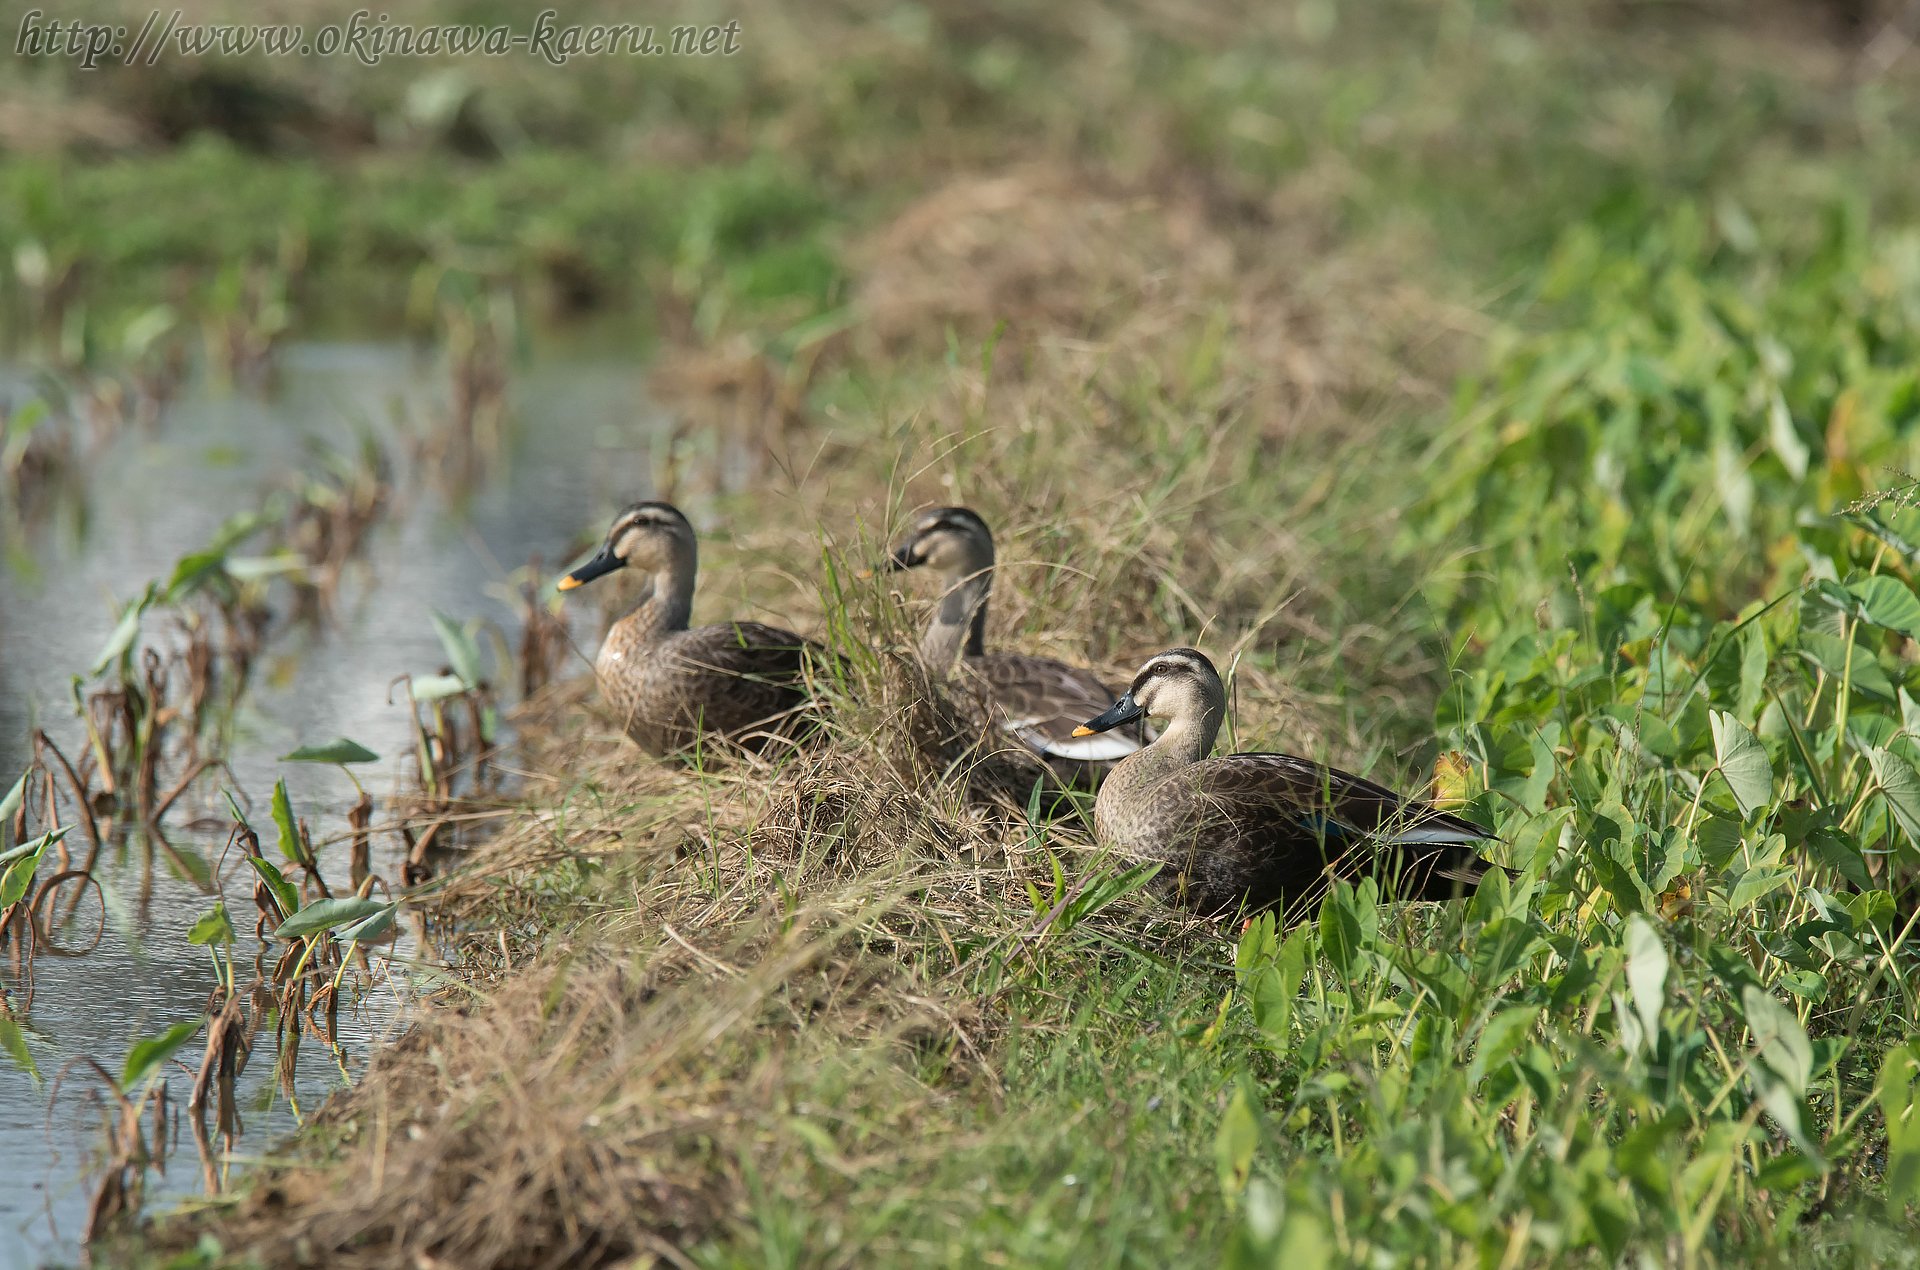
[(1438, 872)]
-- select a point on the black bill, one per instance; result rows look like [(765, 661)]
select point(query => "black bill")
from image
[(605, 562), (1125, 710)]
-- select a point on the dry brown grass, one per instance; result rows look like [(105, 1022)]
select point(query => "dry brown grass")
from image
[(764, 949), (702, 955)]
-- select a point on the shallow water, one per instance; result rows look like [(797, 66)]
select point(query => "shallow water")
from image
[(580, 444)]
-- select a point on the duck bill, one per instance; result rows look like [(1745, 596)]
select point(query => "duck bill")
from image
[(901, 559), (605, 562), (1125, 710)]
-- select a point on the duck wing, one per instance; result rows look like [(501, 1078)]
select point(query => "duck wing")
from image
[(749, 675), (1273, 828), (1041, 701)]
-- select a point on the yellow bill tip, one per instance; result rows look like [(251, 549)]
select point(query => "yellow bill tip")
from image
[(1083, 730), (567, 583)]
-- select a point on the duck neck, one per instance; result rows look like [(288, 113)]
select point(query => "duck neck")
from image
[(1185, 741), (668, 603), (960, 623)]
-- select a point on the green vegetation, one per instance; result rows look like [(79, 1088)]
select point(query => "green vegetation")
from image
[(1531, 387)]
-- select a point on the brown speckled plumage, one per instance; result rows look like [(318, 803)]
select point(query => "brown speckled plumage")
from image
[(1263, 830), (669, 684), (1039, 700)]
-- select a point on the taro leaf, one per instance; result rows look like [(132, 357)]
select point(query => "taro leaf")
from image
[(1785, 1172), (125, 631), (1867, 729), (11, 803), (1633, 1034), (373, 927), (289, 899), (434, 687), (1901, 785), (1862, 670), (1718, 839), (237, 528), (1900, 534), (1873, 908), (1898, 1105), (323, 914), (189, 865), (1753, 670), (338, 750), (15, 433), (1743, 762), (1825, 608), (1792, 451), (1257, 945), (1646, 972), (1644, 1156), (249, 568), (193, 572), (1640, 728), (1909, 714), (1533, 795), (238, 817), (1764, 872), (1810, 985), (1504, 1033), (1234, 1144), (155, 1050), (1274, 987), (463, 653), (26, 861), (1502, 947), (14, 1042), (1887, 602), (283, 819), (1786, 1111), (1839, 852), (1349, 919), (1755, 884), (1781, 1040), (214, 927)]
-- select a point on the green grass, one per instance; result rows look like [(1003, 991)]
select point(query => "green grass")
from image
[(1632, 544)]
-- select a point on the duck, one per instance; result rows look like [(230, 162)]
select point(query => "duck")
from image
[(671, 684), (1239, 833), (1037, 700)]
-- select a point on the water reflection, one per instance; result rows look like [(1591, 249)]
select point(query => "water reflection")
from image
[(579, 444)]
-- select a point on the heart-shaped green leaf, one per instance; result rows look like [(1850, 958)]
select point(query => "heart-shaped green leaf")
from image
[(125, 631), (11, 803), (1647, 965), (326, 914), (283, 820), (283, 891), (155, 1050), (372, 927), (1901, 784), (434, 687), (25, 861), (463, 653), (1743, 762), (214, 927), (338, 750)]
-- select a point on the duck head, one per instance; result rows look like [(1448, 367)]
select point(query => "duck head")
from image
[(952, 541), (955, 543), (652, 537), (1179, 685)]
